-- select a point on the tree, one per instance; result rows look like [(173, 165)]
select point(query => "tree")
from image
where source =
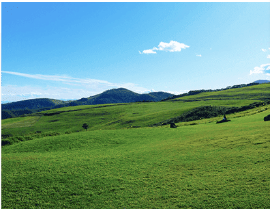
[(85, 126)]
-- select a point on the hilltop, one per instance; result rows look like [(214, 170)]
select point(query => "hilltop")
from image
[(122, 95)]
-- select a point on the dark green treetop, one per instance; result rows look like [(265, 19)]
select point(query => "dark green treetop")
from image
[(85, 126)]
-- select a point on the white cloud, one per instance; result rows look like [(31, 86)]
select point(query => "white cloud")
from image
[(177, 92), (261, 70), (199, 55), (149, 51), (80, 87), (264, 50), (268, 56), (173, 46)]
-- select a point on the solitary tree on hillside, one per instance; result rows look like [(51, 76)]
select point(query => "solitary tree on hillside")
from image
[(85, 126)]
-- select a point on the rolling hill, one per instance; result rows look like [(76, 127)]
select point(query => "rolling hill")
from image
[(123, 161), (133, 115), (120, 95)]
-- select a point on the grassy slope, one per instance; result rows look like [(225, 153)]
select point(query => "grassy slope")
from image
[(133, 114), (247, 93), (107, 117), (19, 122), (204, 166)]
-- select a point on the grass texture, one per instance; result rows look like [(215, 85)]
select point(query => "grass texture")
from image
[(204, 166)]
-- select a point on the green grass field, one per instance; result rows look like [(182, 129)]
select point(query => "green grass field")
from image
[(19, 122), (113, 165), (104, 117), (258, 92)]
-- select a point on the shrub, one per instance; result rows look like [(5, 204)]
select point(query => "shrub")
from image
[(20, 138), (197, 114), (26, 138), (85, 126), (5, 142)]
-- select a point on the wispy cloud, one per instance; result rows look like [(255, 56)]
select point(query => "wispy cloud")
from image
[(85, 87), (16, 93), (264, 50), (199, 55), (268, 56), (261, 70), (61, 78), (173, 46)]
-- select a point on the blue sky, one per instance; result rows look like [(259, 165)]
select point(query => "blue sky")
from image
[(74, 50)]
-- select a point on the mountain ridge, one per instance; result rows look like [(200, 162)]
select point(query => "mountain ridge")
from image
[(120, 95)]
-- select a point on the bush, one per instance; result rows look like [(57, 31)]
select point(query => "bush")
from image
[(197, 114), (85, 126), (52, 134), (20, 138), (5, 142), (4, 136), (26, 138)]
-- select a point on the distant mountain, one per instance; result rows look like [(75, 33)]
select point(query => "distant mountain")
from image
[(32, 104), (120, 95), (261, 81), (161, 95), (15, 109)]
